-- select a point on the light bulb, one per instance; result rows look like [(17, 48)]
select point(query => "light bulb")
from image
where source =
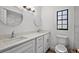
[(33, 9)]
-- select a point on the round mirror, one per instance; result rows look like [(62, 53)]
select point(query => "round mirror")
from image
[(10, 18)]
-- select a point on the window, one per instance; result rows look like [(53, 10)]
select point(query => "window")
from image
[(62, 20)]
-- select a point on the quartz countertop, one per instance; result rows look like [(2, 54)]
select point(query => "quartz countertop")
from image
[(10, 42)]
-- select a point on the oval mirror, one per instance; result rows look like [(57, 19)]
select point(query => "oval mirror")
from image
[(10, 18)]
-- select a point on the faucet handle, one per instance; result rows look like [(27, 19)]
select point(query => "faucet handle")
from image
[(12, 34)]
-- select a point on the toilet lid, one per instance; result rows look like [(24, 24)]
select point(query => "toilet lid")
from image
[(61, 48)]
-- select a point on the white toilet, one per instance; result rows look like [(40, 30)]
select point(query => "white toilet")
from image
[(62, 42)]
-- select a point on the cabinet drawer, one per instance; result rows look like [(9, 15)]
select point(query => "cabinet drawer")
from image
[(40, 46), (40, 50), (46, 36), (23, 47), (39, 41)]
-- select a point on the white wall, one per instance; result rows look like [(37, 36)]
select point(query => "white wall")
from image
[(76, 32), (27, 24), (48, 16)]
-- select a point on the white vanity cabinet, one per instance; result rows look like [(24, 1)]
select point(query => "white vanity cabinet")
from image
[(26, 47), (35, 44), (46, 41), (39, 44)]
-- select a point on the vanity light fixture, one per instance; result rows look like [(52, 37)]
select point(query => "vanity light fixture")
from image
[(29, 8), (24, 6)]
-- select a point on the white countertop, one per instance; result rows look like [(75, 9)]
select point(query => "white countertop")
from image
[(8, 42)]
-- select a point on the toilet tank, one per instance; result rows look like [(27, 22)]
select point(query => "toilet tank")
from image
[(61, 39)]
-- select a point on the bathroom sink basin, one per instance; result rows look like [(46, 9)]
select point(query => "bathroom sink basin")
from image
[(10, 40)]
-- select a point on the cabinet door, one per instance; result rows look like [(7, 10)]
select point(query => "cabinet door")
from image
[(39, 45), (46, 38), (27, 47)]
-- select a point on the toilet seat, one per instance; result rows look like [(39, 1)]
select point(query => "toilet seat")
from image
[(60, 48)]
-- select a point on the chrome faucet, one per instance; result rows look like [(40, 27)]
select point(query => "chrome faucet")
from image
[(12, 34)]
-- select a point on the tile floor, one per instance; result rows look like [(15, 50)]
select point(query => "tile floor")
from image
[(69, 51), (50, 51)]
